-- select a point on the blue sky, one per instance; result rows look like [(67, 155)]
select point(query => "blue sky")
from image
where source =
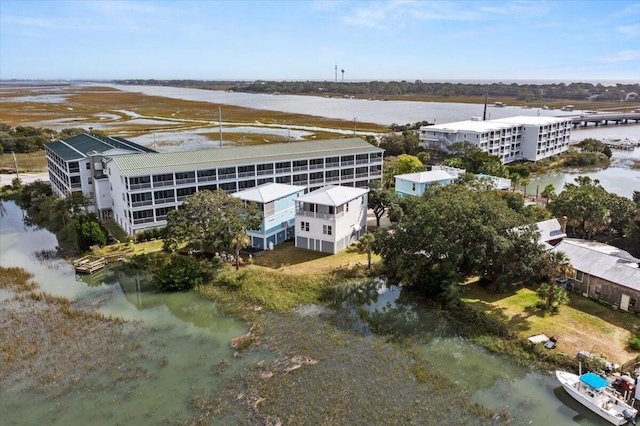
[(303, 40)]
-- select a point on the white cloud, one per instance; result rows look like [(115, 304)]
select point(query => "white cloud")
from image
[(625, 55), (630, 30), (392, 14)]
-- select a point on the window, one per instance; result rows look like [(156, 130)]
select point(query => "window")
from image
[(579, 276), (413, 187), (632, 303), (304, 226), (326, 229), (347, 207), (598, 289)]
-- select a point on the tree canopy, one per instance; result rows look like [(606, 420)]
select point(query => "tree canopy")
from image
[(453, 232), (212, 219), (590, 209)]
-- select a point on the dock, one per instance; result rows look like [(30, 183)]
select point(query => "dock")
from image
[(90, 263), (621, 144)]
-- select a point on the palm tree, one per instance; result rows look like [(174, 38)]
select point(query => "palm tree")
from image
[(555, 265), (365, 245)]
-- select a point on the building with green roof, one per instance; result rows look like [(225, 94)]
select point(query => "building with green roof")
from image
[(139, 189), (70, 164)]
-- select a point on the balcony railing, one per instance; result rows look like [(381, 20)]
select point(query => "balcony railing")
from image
[(141, 203), (316, 166), (206, 178), (300, 168), (283, 170), (135, 186), (326, 216), (163, 183), (265, 172), (165, 200), (320, 180), (332, 178), (141, 221), (246, 174), (227, 176), (348, 163), (183, 181)]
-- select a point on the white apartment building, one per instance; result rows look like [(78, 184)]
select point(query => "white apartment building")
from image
[(511, 139), (331, 218), (144, 188), (75, 163)]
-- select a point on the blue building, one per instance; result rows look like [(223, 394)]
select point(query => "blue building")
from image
[(276, 202), (417, 183)]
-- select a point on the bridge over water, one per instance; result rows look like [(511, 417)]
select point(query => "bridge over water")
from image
[(604, 118)]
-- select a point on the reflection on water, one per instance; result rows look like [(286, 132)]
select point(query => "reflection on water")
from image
[(185, 340), (531, 398)]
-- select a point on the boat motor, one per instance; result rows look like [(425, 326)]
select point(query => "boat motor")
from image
[(630, 416)]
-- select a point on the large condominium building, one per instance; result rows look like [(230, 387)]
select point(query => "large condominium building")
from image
[(138, 190), (511, 139), (76, 162)]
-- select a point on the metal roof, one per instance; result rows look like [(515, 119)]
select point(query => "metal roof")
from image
[(603, 261), (550, 230), (268, 192), (333, 195), (81, 146), (145, 164), (423, 177)]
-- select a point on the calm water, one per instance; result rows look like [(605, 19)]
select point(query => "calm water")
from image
[(620, 180), (193, 337), (531, 398), (380, 112), (184, 330)]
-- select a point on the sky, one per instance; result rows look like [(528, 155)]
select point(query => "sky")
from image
[(304, 40)]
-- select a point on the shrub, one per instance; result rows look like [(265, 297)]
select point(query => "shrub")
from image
[(634, 342), (180, 273)]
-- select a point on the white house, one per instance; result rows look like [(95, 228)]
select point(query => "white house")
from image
[(331, 218), (276, 202), (511, 139)]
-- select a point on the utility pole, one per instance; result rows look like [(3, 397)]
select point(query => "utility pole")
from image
[(486, 95), (15, 161), (336, 70), (220, 124), (354, 125)]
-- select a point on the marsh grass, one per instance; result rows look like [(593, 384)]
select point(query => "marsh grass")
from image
[(54, 346), (27, 162), (325, 375)]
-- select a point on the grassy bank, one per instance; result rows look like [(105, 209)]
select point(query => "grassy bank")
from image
[(583, 325)]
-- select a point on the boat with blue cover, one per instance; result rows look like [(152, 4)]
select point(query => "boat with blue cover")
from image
[(597, 394)]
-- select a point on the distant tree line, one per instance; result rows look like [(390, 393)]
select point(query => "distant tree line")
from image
[(22, 139), (525, 92)]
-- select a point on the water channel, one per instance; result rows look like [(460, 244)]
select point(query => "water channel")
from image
[(192, 338), (619, 178)]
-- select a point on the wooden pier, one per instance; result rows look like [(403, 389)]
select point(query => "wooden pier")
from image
[(90, 264)]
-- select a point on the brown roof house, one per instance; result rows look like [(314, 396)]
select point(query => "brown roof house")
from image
[(603, 272)]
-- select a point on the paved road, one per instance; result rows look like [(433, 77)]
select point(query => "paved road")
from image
[(24, 177)]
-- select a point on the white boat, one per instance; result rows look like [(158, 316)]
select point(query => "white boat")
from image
[(595, 393)]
